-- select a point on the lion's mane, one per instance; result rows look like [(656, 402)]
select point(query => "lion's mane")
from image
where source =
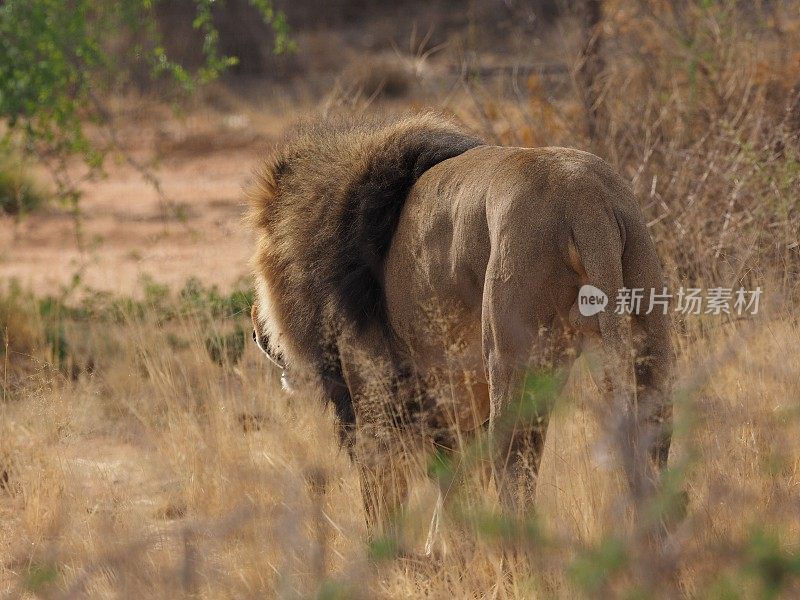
[(326, 206)]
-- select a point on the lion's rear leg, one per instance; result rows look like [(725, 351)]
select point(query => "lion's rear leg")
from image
[(653, 371), (522, 399), (527, 358)]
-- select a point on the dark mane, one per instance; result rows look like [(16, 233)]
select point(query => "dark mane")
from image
[(374, 202), (326, 208)]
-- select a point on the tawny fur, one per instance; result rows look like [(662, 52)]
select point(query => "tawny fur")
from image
[(451, 269)]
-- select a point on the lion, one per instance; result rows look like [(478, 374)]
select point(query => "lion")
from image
[(418, 277)]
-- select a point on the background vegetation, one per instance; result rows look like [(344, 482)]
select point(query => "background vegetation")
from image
[(146, 448)]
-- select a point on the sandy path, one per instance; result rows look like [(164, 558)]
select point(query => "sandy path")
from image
[(127, 236)]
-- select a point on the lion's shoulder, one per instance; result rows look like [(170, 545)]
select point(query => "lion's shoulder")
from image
[(327, 205)]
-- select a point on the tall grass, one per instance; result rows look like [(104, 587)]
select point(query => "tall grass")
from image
[(698, 105), (163, 472), (144, 453)]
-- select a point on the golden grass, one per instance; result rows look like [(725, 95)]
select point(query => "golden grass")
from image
[(133, 465), (163, 473)]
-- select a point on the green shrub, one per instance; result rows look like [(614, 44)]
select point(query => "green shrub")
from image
[(19, 192), (226, 348), (56, 66)]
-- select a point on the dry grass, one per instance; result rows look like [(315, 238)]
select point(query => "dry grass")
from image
[(698, 107), (163, 473), (141, 456)]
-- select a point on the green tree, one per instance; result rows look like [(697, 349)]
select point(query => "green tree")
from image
[(59, 57)]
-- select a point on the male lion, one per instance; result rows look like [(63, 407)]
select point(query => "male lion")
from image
[(419, 276)]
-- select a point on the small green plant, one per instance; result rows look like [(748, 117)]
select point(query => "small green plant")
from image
[(19, 330), (39, 577), (226, 348), (56, 338), (19, 192), (155, 293), (383, 549), (593, 569), (772, 564), (197, 298)]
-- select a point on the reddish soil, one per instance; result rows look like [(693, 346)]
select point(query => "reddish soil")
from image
[(124, 228)]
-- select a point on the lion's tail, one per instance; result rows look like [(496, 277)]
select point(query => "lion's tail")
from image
[(618, 254), (601, 244), (653, 350)]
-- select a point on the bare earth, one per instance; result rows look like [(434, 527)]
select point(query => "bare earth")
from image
[(124, 228)]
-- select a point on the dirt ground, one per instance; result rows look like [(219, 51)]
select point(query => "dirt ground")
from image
[(193, 228)]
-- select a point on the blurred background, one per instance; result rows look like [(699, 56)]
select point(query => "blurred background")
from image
[(146, 449)]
